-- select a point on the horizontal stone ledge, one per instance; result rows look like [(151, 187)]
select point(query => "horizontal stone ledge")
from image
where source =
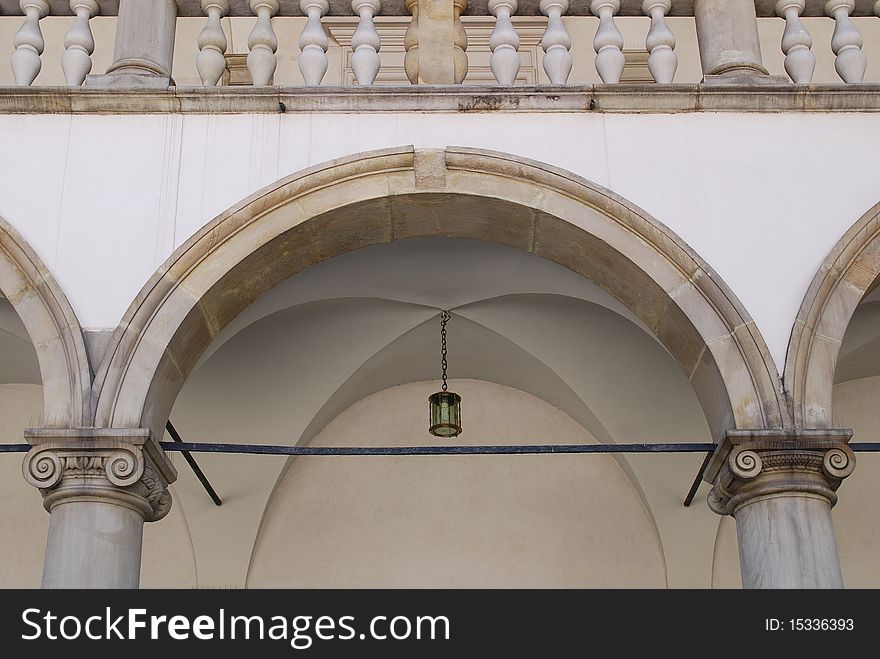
[(630, 99), (396, 8)]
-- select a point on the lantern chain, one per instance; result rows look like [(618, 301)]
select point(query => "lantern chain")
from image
[(444, 318)]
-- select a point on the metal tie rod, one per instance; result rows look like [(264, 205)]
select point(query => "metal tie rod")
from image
[(197, 470), (526, 449), (274, 449)]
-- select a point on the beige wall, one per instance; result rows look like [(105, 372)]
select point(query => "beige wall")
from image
[(538, 521), (325, 339), (23, 522)]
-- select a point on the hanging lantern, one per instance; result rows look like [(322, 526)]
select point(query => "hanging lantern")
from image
[(445, 405)]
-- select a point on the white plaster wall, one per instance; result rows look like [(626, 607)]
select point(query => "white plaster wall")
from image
[(104, 200)]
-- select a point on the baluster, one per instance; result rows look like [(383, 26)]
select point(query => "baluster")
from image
[(365, 42), (79, 43), (660, 42), (262, 42), (556, 42), (504, 42), (608, 43), (796, 42), (28, 42), (411, 43), (877, 7), (846, 42), (313, 42), (212, 43), (460, 41)]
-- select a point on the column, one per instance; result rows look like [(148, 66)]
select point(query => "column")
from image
[(727, 32), (99, 486), (144, 48), (780, 486)]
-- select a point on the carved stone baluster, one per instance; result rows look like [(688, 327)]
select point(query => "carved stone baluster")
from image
[(459, 55), (608, 43), (313, 42), (365, 42), (28, 42), (877, 7), (411, 43), (212, 43), (796, 42), (262, 42), (660, 42), (79, 43), (846, 42), (504, 42), (556, 42)]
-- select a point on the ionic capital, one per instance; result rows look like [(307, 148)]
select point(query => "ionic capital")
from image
[(751, 465), (126, 467)]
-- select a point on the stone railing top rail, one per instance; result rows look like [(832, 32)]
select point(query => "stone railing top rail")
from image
[(396, 8)]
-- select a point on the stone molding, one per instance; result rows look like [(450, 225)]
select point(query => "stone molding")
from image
[(126, 467), (849, 272), (753, 465), (619, 98)]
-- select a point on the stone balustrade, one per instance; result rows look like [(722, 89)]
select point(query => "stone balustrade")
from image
[(148, 36)]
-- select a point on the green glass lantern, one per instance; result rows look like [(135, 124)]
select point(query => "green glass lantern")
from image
[(445, 414), (444, 406)]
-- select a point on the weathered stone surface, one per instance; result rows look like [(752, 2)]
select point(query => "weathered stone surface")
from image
[(672, 98)]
